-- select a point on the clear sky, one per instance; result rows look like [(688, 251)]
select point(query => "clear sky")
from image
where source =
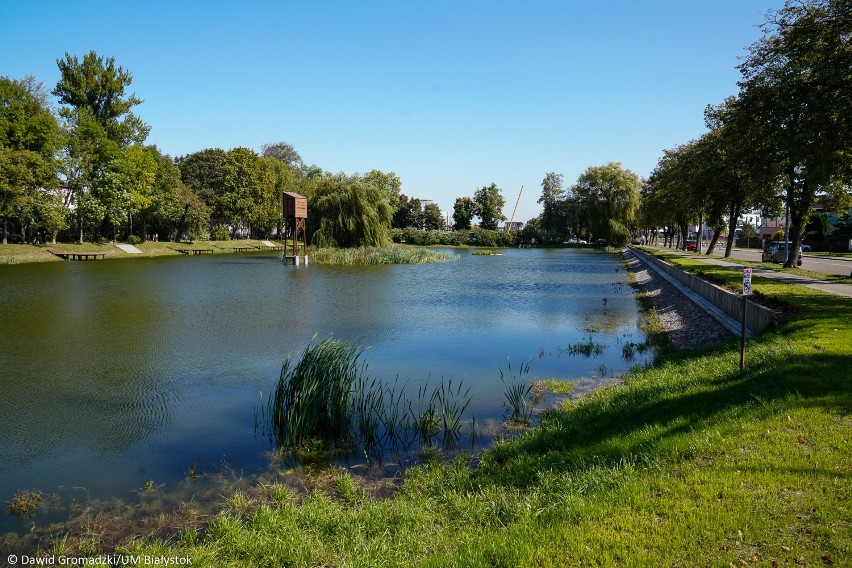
[(450, 95)]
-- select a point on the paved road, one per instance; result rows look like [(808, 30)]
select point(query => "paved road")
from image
[(830, 265), (830, 287)]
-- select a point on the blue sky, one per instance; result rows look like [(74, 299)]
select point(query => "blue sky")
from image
[(450, 95)]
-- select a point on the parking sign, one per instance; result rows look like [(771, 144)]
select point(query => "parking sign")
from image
[(746, 281)]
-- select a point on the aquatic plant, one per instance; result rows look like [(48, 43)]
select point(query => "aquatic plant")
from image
[(540, 387), (326, 401), (423, 419), (377, 255), (452, 405), (585, 348), (24, 502), (517, 392), (312, 397)]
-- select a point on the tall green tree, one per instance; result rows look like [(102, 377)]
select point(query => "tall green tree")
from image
[(552, 191), (797, 80), (387, 182), (204, 173), (29, 137), (489, 206), (741, 172), (283, 152), (95, 87), (408, 212), (100, 124), (464, 210), (164, 208), (610, 195), (432, 218), (244, 186)]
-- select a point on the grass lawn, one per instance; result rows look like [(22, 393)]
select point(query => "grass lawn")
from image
[(689, 463), (19, 254), (674, 257)]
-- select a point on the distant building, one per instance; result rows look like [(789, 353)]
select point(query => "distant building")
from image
[(516, 226), (769, 227)]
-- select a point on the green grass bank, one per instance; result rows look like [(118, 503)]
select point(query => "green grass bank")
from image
[(688, 463), (392, 254)]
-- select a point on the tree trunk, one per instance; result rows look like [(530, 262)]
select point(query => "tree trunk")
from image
[(798, 209), (717, 229), (733, 217), (5, 231)]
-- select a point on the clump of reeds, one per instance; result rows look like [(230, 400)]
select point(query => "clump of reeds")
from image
[(327, 397), (517, 393), (378, 255), (24, 502), (483, 252), (585, 348), (312, 397)]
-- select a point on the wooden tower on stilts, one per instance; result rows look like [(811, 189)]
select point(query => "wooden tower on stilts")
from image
[(295, 214)]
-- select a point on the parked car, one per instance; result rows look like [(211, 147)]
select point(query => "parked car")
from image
[(806, 248), (691, 245), (776, 251)]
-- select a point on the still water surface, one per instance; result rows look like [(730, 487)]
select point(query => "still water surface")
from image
[(114, 373)]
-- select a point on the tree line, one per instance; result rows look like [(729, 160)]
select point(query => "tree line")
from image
[(85, 173), (601, 206), (783, 142)]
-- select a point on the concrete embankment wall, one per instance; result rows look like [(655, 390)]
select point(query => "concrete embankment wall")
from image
[(758, 318)]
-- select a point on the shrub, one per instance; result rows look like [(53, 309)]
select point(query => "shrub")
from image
[(221, 233), (484, 237), (134, 240)]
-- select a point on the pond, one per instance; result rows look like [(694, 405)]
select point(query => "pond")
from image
[(114, 373)]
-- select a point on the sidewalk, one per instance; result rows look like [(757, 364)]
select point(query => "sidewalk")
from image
[(829, 287)]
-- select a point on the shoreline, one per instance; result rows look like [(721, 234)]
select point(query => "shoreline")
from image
[(14, 254)]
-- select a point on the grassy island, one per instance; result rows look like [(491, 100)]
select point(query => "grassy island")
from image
[(394, 254)]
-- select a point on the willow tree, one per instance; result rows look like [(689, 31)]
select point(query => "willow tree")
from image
[(347, 213), (611, 195)]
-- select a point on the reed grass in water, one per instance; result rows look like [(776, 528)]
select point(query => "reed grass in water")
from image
[(517, 393), (312, 397), (381, 255), (327, 397)]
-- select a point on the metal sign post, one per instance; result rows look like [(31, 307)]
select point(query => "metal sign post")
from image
[(746, 294)]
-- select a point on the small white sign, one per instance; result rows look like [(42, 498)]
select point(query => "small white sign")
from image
[(746, 281)]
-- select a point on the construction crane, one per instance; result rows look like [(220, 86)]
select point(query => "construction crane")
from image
[(515, 210)]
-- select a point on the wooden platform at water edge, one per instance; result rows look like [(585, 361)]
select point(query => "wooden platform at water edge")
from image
[(69, 255), (239, 248), (193, 250)]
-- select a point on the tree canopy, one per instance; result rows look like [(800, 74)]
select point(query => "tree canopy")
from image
[(610, 194), (489, 204), (29, 136)]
